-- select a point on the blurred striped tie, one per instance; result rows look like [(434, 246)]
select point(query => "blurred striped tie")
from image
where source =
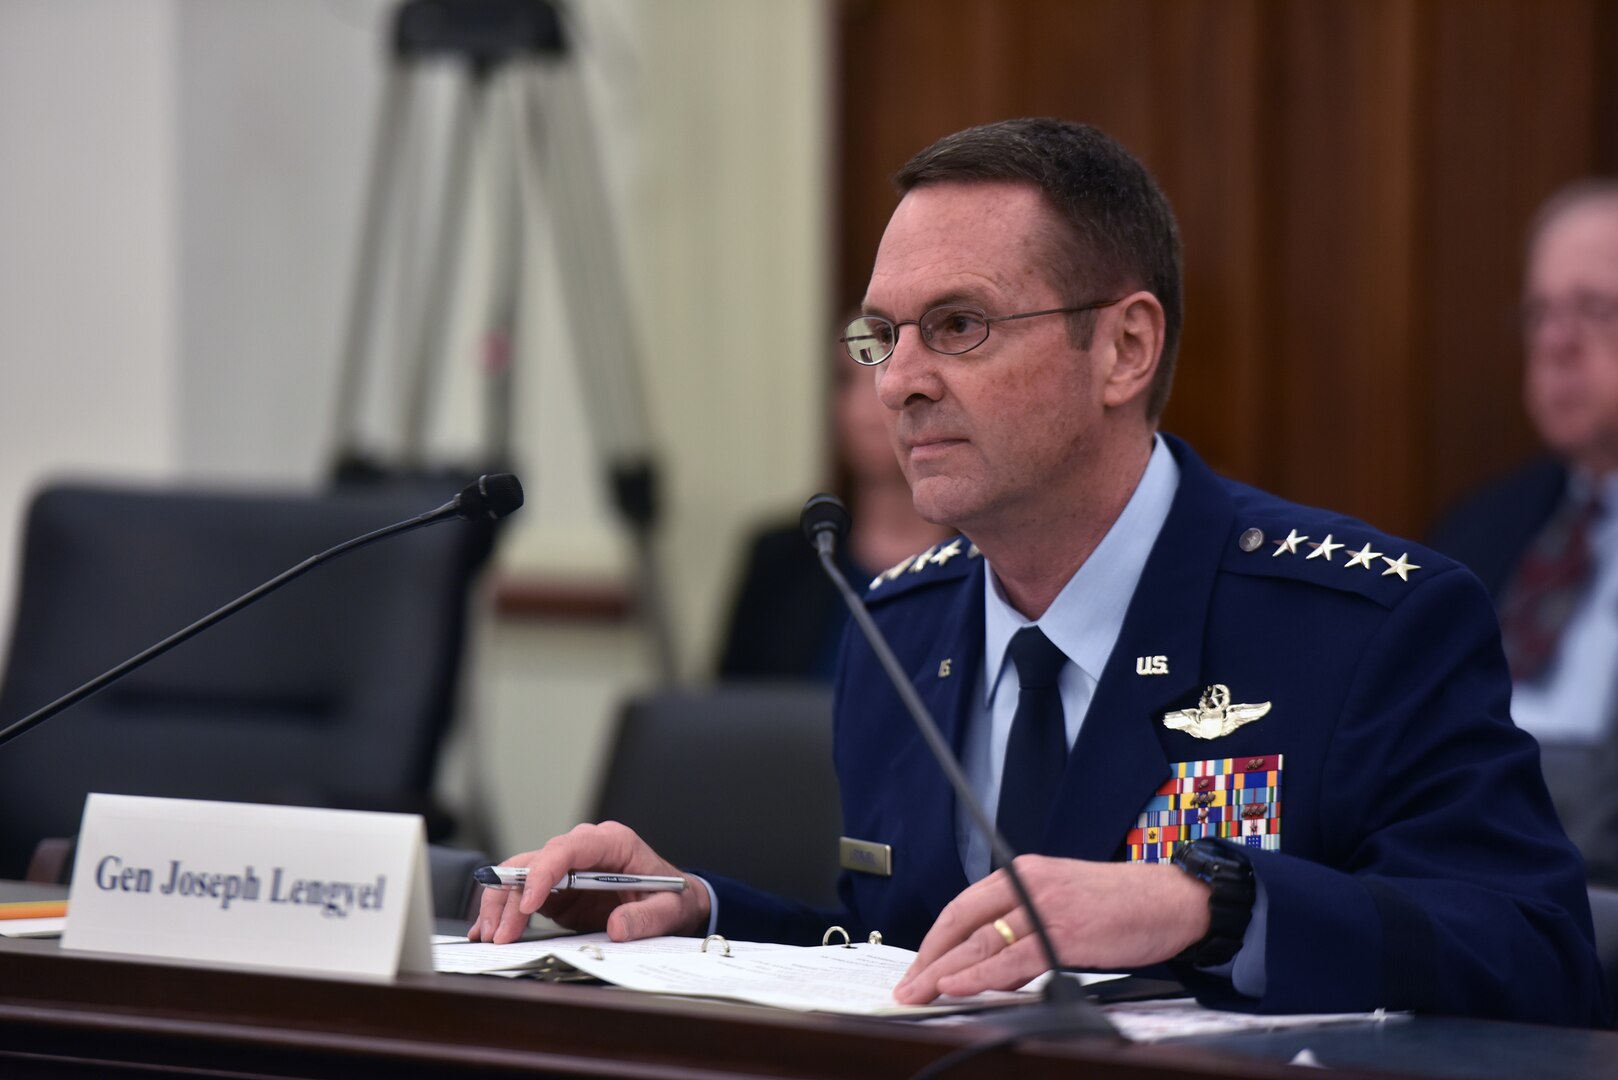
[(1546, 589)]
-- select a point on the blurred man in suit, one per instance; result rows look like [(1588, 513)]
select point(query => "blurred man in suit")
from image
[(1545, 539), (1264, 742)]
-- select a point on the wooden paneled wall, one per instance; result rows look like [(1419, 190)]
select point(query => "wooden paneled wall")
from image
[(1352, 180)]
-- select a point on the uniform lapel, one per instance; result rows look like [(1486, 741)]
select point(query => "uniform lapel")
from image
[(945, 680), (1118, 759)]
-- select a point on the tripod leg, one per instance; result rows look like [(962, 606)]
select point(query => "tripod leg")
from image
[(386, 164), (597, 296), (431, 343), (509, 239), (568, 161)]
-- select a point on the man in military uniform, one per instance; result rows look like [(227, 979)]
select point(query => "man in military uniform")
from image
[(1261, 741)]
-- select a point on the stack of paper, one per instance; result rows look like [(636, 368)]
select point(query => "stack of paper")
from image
[(856, 979)]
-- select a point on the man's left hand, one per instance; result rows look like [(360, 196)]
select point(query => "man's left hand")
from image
[(1099, 915)]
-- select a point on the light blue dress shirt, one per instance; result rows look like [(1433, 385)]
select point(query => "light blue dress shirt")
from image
[(1574, 697), (1084, 621)]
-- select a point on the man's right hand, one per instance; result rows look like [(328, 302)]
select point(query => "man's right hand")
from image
[(624, 915)]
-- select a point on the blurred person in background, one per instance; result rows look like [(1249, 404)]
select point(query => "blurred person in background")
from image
[(787, 619), (1545, 538)]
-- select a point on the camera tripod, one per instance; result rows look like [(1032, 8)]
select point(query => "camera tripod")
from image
[(520, 95)]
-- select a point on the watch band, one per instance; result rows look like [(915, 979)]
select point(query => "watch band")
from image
[(1227, 871)]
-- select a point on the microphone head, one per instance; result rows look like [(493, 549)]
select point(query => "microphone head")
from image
[(823, 514), (493, 496)]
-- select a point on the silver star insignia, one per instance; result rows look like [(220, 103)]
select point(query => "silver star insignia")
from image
[(1214, 716), (891, 573), (1399, 566), (921, 561), (1362, 557), (1324, 549), (1288, 545), (948, 552)]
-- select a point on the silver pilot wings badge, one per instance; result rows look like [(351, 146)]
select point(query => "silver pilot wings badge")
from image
[(1214, 716)]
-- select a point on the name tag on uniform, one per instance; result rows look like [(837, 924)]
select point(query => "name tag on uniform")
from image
[(864, 856), (281, 887)]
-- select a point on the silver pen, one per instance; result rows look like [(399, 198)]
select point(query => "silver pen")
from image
[(515, 877)]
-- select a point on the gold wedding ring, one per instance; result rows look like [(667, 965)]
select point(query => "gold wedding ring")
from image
[(1006, 931)]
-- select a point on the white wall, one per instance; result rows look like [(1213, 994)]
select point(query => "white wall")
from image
[(89, 359), (179, 189)]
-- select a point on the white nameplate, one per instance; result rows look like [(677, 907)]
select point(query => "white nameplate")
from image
[(261, 886)]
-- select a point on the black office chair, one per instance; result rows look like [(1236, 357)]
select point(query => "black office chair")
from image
[(1604, 912), (737, 780), (334, 691)]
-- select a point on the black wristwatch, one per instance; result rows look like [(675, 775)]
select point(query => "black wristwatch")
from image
[(1226, 870)]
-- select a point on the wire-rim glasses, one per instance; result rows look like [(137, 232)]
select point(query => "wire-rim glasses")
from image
[(950, 330)]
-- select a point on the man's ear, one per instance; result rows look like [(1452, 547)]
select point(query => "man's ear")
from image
[(1136, 335)]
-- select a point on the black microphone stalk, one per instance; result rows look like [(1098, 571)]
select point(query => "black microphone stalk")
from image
[(488, 498), (825, 521)]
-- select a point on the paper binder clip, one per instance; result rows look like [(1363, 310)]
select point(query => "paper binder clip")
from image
[(825, 939), (592, 950), (719, 938)]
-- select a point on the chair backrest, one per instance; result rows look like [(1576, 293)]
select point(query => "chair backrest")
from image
[(737, 780), (1604, 913), (334, 691), (455, 894)]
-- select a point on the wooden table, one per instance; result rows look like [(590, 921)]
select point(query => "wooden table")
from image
[(73, 1014)]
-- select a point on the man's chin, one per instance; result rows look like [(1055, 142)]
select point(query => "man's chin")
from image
[(942, 501)]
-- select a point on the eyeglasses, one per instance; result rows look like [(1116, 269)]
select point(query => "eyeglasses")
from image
[(1585, 312), (952, 330)]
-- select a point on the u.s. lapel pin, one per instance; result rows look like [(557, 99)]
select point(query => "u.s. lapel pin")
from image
[(1214, 716), (943, 668)]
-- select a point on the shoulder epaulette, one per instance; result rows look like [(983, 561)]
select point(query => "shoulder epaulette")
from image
[(941, 562), (1329, 550)]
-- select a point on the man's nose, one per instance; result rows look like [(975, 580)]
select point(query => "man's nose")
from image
[(909, 373), (1556, 332)]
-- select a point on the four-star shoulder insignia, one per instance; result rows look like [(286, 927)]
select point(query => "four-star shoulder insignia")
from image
[(937, 555), (948, 552), (1399, 566), (1288, 546), (1365, 558), (892, 573), (1324, 549), (1362, 557)]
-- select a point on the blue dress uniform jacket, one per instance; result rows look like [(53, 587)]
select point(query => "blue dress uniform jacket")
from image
[(1419, 862)]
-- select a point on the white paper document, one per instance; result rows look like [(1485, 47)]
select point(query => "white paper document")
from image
[(1178, 1018), (45, 927), (857, 980)]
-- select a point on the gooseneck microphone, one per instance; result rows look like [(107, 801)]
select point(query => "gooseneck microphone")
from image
[(825, 523), (489, 498)]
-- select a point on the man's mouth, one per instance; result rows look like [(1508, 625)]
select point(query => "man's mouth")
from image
[(931, 446)]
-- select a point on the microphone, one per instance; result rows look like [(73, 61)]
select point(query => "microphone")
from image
[(487, 499), (825, 522)]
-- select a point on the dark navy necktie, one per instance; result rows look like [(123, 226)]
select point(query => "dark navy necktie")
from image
[(1036, 752)]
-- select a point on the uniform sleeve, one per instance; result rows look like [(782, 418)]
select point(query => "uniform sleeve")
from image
[(748, 914), (1446, 882)]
